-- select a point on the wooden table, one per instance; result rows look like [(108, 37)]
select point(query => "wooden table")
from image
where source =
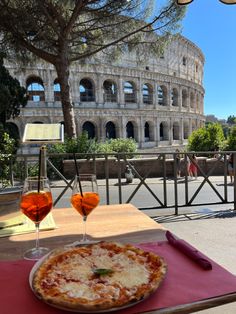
[(110, 222)]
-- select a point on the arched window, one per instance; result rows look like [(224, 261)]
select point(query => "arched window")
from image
[(197, 103), (110, 130), (184, 61), (193, 126), (109, 91), (175, 131), (186, 130), (129, 130), (146, 132), (147, 94), (86, 90), (192, 100), (89, 128), (35, 89), (163, 131), (174, 97), (184, 98), (57, 91), (129, 91), (161, 95)]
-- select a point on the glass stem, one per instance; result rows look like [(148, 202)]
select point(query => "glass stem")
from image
[(84, 226), (37, 235)]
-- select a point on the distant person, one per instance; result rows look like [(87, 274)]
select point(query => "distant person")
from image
[(188, 162), (193, 167), (231, 167), (178, 158)]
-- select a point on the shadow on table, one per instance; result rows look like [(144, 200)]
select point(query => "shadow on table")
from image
[(11, 249)]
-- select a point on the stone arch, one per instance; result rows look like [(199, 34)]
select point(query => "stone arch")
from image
[(175, 130), (186, 130), (174, 97), (57, 90), (129, 92), (162, 95), (129, 129), (163, 131), (184, 98), (110, 130), (86, 88), (149, 131), (147, 94), (35, 88), (197, 102), (192, 99), (194, 126), (146, 132), (13, 130), (109, 91), (89, 127)]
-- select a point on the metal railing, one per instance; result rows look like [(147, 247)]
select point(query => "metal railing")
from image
[(155, 184)]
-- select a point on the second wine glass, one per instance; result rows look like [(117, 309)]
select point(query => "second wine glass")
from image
[(85, 197)]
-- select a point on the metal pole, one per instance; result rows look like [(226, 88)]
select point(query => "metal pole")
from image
[(43, 161)]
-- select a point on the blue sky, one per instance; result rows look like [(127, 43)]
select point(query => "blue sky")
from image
[(211, 25)]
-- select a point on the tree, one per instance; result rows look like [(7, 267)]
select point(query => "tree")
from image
[(231, 120), (231, 144), (209, 138), (61, 32), (12, 95)]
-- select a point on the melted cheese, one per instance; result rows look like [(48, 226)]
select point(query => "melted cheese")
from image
[(77, 279)]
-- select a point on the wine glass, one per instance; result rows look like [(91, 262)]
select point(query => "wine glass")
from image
[(36, 203), (85, 197)]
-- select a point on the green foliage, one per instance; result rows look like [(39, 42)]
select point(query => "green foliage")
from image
[(81, 144), (119, 145), (7, 148), (12, 95), (209, 138), (84, 145), (231, 120), (231, 143)]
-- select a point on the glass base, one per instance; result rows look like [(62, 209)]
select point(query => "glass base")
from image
[(35, 254)]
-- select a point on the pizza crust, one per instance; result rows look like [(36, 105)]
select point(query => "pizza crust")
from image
[(67, 279)]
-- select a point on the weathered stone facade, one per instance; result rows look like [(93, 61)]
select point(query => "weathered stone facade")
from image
[(158, 102)]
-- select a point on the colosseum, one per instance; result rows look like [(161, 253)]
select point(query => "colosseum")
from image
[(158, 103)]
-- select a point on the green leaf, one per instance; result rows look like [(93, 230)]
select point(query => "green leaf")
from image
[(102, 271)]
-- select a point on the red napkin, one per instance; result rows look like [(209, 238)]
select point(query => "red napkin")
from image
[(189, 251)]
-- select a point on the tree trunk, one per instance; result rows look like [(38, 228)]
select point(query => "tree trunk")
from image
[(63, 73)]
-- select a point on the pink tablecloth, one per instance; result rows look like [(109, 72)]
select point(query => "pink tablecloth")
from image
[(185, 282)]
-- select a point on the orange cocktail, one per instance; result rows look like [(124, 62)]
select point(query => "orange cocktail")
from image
[(36, 202), (36, 205), (86, 203), (85, 198)]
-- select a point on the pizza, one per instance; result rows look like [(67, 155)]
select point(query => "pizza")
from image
[(97, 277)]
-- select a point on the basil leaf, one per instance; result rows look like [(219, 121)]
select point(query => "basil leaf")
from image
[(102, 271)]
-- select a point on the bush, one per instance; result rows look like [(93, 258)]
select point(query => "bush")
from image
[(118, 145), (209, 138), (81, 144)]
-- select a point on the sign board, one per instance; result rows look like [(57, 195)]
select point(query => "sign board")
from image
[(43, 133)]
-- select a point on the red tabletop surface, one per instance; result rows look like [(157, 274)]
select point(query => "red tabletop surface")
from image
[(185, 282)]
